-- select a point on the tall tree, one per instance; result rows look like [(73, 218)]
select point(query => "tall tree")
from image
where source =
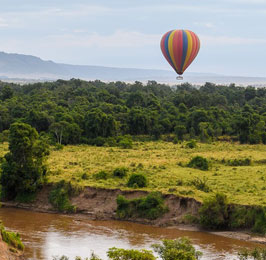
[(23, 168)]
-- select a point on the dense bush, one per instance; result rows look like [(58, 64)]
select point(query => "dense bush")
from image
[(255, 254), (60, 194), (252, 217), (11, 238), (199, 162), (102, 175), (150, 207), (239, 162), (129, 254), (191, 144), (125, 142), (214, 212), (137, 181), (120, 172), (179, 249), (201, 184)]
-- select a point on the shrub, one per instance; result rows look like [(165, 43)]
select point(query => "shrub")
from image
[(179, 249), (253, 218), (58, 147), (26, 197), (84, 176), (11, 238), (260, 222), (191, 144), (102, 175), (98, 141), (137, 181), (239, 162), (179, 182), (199, 162), (214, 212), (201, 184), (120, 172), (256, 254), (175, 141), (150, 207), (59, 196), (63, 257), (125, 142), (129, 254), (110, 141), (190, 219)]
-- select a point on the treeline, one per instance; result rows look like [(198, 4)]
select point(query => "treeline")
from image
[(76, 111)]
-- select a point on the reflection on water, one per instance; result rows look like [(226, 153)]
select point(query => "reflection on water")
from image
[(46, 235)]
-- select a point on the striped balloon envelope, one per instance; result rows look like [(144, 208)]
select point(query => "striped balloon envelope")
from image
[(180, 48)]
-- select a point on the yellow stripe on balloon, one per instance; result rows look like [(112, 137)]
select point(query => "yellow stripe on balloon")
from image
[(189, 48), (171, 48)]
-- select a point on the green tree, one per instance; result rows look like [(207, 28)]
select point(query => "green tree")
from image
[(6, 93), (23, 168), (180, 130), (98, 123), (129, 254), (214, 212), (179, 249)]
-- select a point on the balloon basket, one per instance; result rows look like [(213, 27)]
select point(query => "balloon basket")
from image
[(179, 78)]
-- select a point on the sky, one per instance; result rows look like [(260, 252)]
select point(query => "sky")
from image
[(127, 33)]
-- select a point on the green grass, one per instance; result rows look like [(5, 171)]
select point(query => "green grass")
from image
[(163, 164)]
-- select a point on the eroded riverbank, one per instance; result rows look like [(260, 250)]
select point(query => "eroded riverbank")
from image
[(100, 204)]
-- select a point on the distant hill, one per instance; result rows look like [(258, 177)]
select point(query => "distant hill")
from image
[(18, 67)]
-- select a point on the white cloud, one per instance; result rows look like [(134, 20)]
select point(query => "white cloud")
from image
[(3, 22), (75, 10), (206, 24), (117, 39), (81, 10), (251, 2), (227, 40)]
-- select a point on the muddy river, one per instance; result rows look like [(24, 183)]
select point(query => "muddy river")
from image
[(47, 235)]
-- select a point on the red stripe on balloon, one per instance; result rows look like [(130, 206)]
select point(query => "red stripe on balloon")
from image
[(179, 50), (175, 49), (198, 45)]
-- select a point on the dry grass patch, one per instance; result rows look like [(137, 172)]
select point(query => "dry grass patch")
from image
[(160, 163)]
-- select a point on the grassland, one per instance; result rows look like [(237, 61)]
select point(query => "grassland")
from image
[(164, 165)]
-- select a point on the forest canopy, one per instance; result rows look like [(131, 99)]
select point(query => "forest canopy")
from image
[(76, 111)]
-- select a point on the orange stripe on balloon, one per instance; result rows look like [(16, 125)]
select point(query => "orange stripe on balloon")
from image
[(171, 48), (196, 45), (164, 51), (194, 48)]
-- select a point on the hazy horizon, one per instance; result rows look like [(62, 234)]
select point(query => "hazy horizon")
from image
[(127, 34)]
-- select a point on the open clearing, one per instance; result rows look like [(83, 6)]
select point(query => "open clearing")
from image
[(164, 165)]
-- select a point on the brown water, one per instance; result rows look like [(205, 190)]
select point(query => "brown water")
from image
[(47, 235)]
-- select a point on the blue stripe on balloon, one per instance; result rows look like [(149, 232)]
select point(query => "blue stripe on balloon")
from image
[(185, 46), (166, 48)]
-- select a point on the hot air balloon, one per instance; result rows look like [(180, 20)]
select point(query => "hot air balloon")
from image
[(180, 48)]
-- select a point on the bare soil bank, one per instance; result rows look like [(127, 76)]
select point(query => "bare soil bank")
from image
[(7, 254), (100, 204)]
